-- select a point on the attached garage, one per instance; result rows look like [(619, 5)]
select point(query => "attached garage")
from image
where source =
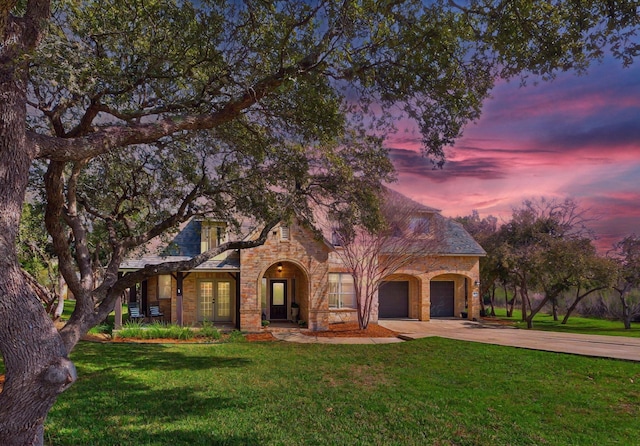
[(442, 298), (393, 299)]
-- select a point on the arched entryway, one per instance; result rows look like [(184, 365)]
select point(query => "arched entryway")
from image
[(284, 292)]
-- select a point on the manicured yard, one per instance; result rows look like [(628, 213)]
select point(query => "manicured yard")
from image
[(431, 391), (575, 324)]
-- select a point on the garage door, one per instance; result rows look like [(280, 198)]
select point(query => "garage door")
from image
[(393, 299), (442, 299)]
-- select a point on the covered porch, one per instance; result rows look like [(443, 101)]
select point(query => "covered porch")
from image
[(284, 294)]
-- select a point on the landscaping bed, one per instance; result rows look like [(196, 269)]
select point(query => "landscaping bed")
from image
[(352, 330)]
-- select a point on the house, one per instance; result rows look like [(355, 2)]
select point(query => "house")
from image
[(297, 268)]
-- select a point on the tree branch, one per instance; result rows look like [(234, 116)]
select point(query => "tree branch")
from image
[(132, 278), (106, 138)]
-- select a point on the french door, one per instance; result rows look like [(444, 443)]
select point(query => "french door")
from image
[(214, 300)]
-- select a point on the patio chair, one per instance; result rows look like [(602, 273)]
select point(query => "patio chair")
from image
[(134, 312), (154, 312)]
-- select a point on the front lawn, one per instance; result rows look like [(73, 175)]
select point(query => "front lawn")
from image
[(575, 324), (430, 391)]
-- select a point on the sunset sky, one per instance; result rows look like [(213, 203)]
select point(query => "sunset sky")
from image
[(578, 137)]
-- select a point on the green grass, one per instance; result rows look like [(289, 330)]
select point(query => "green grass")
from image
[(427, 392), (575, 324)]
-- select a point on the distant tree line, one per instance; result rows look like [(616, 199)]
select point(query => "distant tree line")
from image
[(544, 258)]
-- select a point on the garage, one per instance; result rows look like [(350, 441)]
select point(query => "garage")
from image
[(393, 299), (442, 296)]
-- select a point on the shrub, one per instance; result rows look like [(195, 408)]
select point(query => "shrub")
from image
[(208, 331), (181, 333), (131, 329), (102, 329), (236, 336)]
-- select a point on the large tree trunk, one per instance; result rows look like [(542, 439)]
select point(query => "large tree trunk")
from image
[(535, 311), (570, 310), (626, 312), (493, 300), (575, 303), (35, 358)]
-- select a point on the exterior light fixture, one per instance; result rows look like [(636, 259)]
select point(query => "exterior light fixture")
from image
[(279, 267), (477, 283)]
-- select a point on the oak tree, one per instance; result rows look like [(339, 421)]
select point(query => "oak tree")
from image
[(136, 116)]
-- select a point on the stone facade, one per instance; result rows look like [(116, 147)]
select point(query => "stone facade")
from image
[(298, 263), (304, 268)]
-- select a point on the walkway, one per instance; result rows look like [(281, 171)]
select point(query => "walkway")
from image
[(296, 336), (616, 347)]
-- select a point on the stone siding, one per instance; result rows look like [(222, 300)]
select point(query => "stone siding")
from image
[(304, 260)]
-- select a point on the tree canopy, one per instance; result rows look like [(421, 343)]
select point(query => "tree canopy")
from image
[(135, 116)]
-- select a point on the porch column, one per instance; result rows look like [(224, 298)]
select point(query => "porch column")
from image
[(474, 299), (179, 282), (237, 277), (118, 307), (424, 308), (118, 316)]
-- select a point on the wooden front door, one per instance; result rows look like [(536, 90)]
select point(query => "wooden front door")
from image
[(214, 300), (278, 300)]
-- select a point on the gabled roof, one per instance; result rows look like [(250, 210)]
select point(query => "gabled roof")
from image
[(184, 245), (457, 241), (396, 196), (451, 239)]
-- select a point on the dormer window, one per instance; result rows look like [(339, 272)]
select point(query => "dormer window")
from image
[(419, 225), (336, 240), (212, 235)]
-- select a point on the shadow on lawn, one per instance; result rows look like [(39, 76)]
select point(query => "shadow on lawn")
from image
[(155, 356), (138, 394), (123, 412)]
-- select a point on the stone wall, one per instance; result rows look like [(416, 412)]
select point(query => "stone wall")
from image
[(190, 296), (305, 259)]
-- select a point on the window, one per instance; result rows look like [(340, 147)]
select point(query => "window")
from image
[(284, 233), (164, 287), (263, 293), (336, 239), (211, 235), (341, 291)]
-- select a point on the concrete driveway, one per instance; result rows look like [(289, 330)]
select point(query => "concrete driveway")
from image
[(617, 347)]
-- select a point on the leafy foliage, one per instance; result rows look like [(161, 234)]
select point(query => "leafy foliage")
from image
[(546, 249), (627, 253), (145, 114)]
